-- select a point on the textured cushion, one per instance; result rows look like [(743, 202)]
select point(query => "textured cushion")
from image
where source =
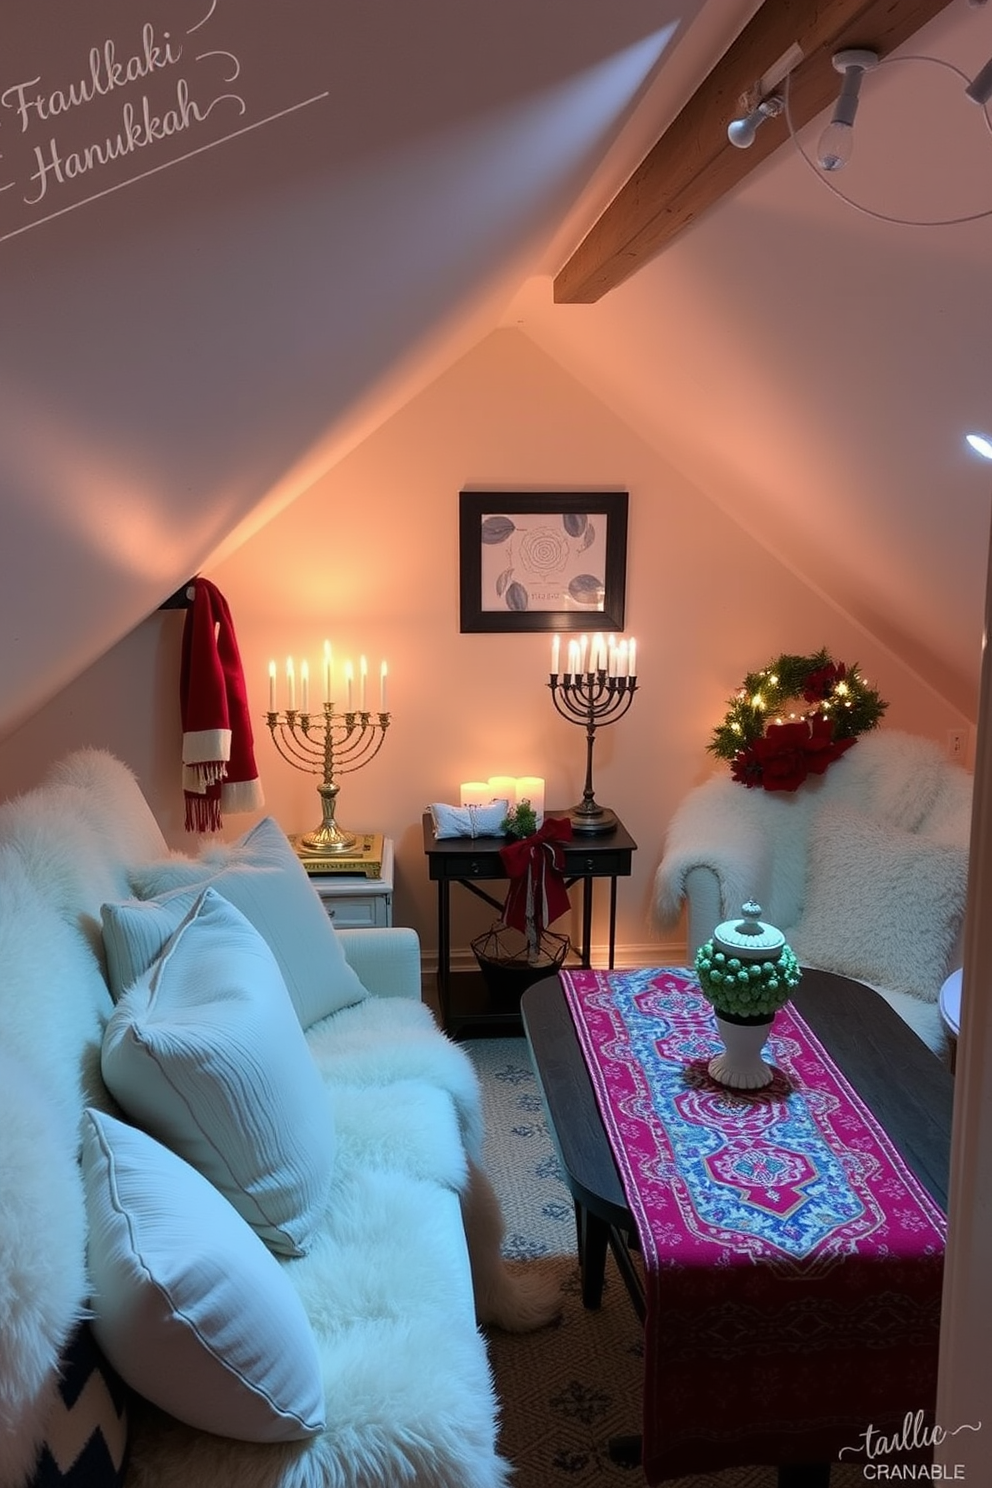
[(189, 1306), (264, 878), (205, 1052), (86, 1426), (883, 906)]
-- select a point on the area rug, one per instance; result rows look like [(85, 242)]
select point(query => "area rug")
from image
[(567, 1391)]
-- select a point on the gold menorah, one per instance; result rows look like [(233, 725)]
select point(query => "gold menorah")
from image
[(328, 744)]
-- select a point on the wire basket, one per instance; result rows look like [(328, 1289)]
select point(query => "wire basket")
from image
[(507, 967)]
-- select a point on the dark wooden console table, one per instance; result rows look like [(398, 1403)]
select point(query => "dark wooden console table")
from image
[(463, 997)]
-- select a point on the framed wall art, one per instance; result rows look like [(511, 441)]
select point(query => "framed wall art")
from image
[(549, 560)]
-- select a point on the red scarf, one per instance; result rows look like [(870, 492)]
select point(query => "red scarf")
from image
[(536, 894), (218, 747)]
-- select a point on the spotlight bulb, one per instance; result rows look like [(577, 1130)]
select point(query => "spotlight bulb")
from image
[(741, 132), (981, 444), (836, 145)]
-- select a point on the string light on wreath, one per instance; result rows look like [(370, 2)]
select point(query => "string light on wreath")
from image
[(793, 719)]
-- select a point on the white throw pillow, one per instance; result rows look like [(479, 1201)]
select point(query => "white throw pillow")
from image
[(882, 905), (188, 1305), (263, 877), (206, 1053)]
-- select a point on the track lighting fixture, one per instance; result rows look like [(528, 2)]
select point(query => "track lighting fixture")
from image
[(837, 140), (741, 132)]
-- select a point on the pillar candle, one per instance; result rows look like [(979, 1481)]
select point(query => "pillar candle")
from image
[(503, 788), (272, 687), (531, 788), (474, 793)]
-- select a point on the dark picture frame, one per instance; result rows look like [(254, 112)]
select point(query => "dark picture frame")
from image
[(542, 560)]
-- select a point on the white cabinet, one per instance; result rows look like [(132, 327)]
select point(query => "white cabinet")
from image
[(353, 901)]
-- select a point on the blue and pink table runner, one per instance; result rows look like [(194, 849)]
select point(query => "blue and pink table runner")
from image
[(792, 1262)]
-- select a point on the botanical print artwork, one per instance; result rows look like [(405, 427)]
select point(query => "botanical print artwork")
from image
[(544, 561)]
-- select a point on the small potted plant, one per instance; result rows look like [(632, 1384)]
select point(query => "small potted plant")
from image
[(747, 972), (520, 821)]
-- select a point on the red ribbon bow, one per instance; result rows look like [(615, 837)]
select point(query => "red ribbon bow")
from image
[(537, 893)]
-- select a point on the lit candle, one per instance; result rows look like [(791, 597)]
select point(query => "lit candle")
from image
[(555, 654), (611, 660), (305, 684), (531, 788), (622, 658), (583, 648), (598, 662), (474, 793), (573, 658), (503, 788), (327, 671), (632, 657), (291, 681), (382, 688), (272, 687), (349, 678), (363, 674)]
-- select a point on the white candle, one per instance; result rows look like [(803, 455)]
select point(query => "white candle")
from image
[(363, 674), (272, 687), (531, 788), (611, 658), (305, 684), (349, 678), (573, 657), (503, 788), (382, 689), (327, 671), (583, 648), (632, 657), (555, 654), (622, 658), (291, 681), (598, 663), (474, 793)]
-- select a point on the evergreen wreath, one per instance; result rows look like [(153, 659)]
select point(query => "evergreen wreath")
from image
[(793, 719)]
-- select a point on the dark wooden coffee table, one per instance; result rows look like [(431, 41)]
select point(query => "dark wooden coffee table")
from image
[(908, 1089)]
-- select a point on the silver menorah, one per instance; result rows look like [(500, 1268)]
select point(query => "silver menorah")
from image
[(594, 699), (328, 744)]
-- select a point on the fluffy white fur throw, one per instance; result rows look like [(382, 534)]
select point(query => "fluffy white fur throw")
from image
[(388, 1285)]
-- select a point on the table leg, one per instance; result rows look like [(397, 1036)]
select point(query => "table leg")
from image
[(592, 1234), (443, 945), (587, 922), (613, 919)]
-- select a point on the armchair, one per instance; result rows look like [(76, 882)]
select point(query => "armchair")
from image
[(864, 868)]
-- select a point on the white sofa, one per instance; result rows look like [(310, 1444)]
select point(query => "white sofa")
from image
[(864, 868), (277, 1230)]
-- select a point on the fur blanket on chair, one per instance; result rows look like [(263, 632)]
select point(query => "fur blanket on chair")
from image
[(863, 868)]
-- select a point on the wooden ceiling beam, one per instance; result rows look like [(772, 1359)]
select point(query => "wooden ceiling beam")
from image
[(694, 164)]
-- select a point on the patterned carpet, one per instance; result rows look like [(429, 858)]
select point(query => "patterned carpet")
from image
[(571, 1388)]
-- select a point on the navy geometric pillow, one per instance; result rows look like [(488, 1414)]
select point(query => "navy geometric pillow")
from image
[(86, 1437)]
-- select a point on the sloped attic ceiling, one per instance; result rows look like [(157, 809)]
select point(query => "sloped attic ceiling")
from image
[(813, 367), (232, 233), (347, 195)]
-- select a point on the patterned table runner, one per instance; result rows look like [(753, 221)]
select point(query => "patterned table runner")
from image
[(792, 1261)]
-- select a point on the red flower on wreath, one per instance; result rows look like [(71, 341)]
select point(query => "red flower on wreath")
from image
[(821, 683), (788, 753)]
